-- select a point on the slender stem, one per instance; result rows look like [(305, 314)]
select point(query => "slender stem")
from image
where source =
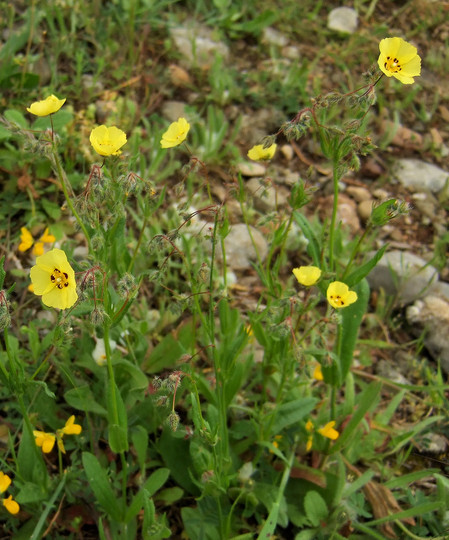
[(356, 249), (61, 177), (139, 243), (336, 178)]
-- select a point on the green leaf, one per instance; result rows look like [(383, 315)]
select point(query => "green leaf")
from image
[(139, 438), (83, 399), (351, 318), (2, 271), (118, 432), (313, 247), (315, 507), (361, 272), (16, 117), (152, 484), (292, 412), (51, 208), (366, 400), (100, 485), (425, 508)]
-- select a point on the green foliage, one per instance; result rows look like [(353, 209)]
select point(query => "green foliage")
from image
[(197, 385)]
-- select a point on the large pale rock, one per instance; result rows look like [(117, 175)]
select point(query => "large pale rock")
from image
[(240, 251), (419, 175), (432, 314), (404, 275), (198, 44), (343, 19)]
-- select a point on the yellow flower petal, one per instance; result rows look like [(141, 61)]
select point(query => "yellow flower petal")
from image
[(329, 431), (309, 425), (10, 505), (309, 443), (47, 106), (317, 373), (107, 141), (60, 444), (175, 134), (399, 59), (54, 279), (307, 275), (71, 428), (47, 238), (26, 239), (339, 295), (46, 441), (5, 482), (259, 153), (38, 249)]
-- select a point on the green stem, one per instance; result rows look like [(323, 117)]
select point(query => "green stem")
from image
[(139, 243), (272, 519), (335, 178), (61, 177), (356, 250)]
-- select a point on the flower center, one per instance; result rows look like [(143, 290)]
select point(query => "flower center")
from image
[(392, 65), (60, 279), (337, 299)]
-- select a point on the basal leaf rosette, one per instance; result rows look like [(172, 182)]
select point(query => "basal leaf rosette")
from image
[(175, 134), (47, 106), (399, 59), (54, 279), (107, 141)]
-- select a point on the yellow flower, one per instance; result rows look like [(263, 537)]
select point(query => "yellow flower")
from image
[(26, 241), (317, 373), (107, 140), (259, 153), (11, 505), (329, 431), (175, 134), (399, 59), (307, 275), (5, 482), (48, 106), (46, 441), (70, 427), (339, 295), (309, 428), (54, 279)]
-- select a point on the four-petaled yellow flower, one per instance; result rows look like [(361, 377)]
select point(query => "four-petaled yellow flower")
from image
[(259, 153), (27, 240), (9, 503), (107, 141), (339, 295), (46, 441), (399, 59), (307, 275), (54, 279), (175, 134), (47, 106)]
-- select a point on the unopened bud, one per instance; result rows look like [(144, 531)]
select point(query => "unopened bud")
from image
[(173, 420)]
